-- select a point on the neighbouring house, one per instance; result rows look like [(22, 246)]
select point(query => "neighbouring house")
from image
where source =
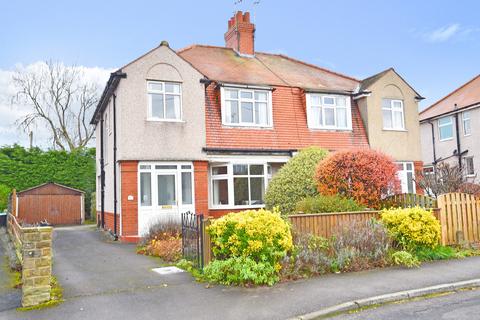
[(449, 130), (52, 202), (205, 128)]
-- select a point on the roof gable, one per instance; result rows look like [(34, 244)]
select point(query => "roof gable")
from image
[(464, 96), (50, 188), (370, 81)]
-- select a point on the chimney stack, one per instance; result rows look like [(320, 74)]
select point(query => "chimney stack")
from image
[(241, 34)]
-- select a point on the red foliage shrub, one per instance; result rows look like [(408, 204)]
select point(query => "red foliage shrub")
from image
[(363, 175), (470, 188)]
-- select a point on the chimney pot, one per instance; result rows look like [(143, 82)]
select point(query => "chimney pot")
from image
[(246, 17), (241, 33)]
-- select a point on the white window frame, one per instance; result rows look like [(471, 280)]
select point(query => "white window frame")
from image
[(468, 174), (464, 120), (310, 119), (444, 125), (229, 177), (150, 117), (225, 120), (154, 184), (405, 170), (392, 110)]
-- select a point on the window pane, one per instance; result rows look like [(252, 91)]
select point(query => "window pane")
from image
[(261, 96), (386, 104), (256, 169), (166, 190), (444, 121), (240, 191), (257, 190), (261, 115), (341, 117), (328, 100), (329, 116), (220, 191), (410, 182), (145, 189), (398, 120), (173, 106), (247, 112), (186, 187), (397, 105), (167, 167), (219, 170), (317, 116), (157, 86), (387, 119), (240, 169), (231, 94), (409, 166), (232, 111), (341, 102), (186, 166), (144, 166), (172, 87), (446, 132), (246, 95), (157, 105), (316, 100)]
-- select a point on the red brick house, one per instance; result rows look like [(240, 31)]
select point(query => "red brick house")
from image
[(205, 128)]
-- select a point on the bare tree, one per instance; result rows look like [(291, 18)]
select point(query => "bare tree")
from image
[(61, 100), (445, 178)]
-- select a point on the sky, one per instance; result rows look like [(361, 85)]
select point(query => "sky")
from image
[(434, 45)]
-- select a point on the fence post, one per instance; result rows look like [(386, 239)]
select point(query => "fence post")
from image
[(443, 218)]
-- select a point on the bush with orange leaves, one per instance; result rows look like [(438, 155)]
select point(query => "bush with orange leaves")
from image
[(363, 175)]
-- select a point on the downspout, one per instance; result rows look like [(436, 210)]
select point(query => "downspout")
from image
[(459, 150), (102, 176), (114, 168), (433, 144)]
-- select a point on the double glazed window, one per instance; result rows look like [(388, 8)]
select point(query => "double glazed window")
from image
[(246, 107), (393, 114), (467, 128), (406, 175), (445, 128), (329, 112), (164, 99), (240, 185)]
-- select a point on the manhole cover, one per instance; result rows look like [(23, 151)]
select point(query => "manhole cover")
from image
[(167, 270)]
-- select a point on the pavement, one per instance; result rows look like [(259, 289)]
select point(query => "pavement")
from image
[(463, 305), (105, 280), (10, 298)]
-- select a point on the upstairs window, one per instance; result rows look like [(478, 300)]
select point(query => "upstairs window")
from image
[(164, 100), (445, 128), (246, 107), (393, 114), (329, 112), (467, 129)]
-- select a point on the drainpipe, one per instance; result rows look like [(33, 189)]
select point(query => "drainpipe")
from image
[(459, 150), (433, 144), (102, 176), (114, 168)]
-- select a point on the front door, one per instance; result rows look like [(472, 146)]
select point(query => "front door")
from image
[(165, 191)]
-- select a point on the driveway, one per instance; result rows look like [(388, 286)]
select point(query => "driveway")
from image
[(105, 280)]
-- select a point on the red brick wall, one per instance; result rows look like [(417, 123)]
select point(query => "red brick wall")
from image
[(200, 173), (129, 187), (290, 130), (108, 220)]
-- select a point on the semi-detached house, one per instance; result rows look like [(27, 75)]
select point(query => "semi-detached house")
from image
[(205, 128)]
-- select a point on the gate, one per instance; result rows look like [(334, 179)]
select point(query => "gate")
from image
[(192, 238)]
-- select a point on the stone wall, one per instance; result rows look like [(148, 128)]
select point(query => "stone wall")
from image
[(34, 247)]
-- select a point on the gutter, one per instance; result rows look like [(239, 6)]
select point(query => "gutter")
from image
[(111, 86), (458, 110)]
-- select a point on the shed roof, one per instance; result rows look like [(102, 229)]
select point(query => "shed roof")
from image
[(49, 184)]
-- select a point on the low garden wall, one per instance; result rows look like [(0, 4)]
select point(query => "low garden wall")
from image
[(34, 249)]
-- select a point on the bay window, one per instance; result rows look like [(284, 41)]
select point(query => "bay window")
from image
[(246, 107), (164, 101), (239, 184), (329, 112), (393, 114)]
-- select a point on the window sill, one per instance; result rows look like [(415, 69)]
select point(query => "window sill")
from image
[(395, 130), (442, 140), (330, 129), (228, 207), (165, 120), (241, 126), (467, 135)]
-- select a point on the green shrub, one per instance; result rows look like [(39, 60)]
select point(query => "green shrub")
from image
[(411, 228), (404, 258), (437, 253), (261, 235), (325, 204), (241, 271), (4, 193), (294, 181)]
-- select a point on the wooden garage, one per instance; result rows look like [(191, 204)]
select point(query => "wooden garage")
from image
[(51, 202)]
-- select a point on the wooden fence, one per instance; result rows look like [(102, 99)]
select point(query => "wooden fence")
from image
[(406, 200), (460, 218)]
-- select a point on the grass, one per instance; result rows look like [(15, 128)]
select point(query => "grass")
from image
[(15, 277), (56, 297)]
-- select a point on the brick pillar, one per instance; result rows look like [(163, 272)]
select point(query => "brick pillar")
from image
[(36, 265), (129, 188), (200, 169)]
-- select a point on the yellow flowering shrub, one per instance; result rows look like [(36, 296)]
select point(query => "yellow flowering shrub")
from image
[(412, 227), (260, 235)]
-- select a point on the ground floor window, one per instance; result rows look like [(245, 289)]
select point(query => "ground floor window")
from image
[(469, 167), (406, 175), (239, 185)]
